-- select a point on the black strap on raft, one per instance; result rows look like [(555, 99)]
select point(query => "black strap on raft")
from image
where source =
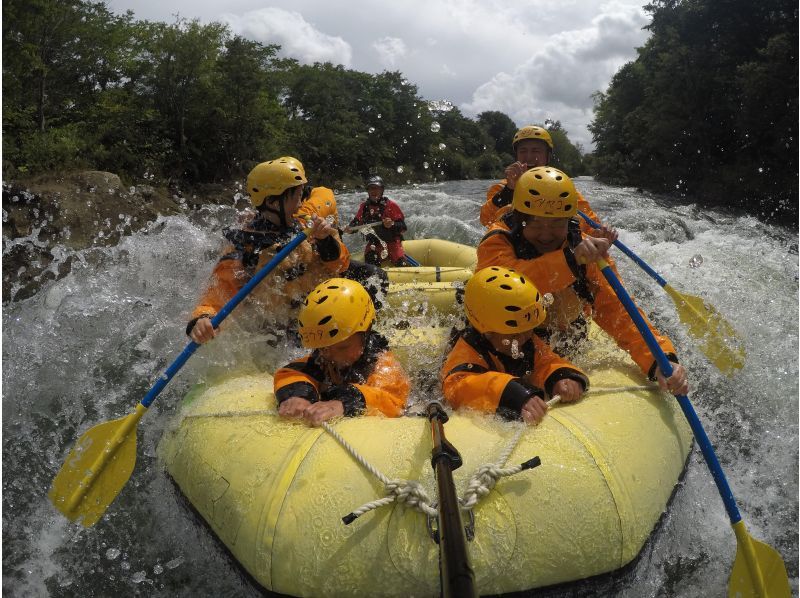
[(456, 575)]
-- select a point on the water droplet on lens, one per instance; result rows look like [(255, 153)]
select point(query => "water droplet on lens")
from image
[(435, 126), (696, 261)]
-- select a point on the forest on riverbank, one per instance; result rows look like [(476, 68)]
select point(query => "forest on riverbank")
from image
[(708, 110), (85, 88), (707, 113)]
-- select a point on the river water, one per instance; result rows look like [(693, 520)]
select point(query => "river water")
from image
[(86, 348)]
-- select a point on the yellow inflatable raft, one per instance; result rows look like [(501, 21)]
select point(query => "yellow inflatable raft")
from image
[(274, 491), (431, 286)]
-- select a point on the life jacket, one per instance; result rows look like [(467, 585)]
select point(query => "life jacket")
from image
[(251, 247), (370, 211), (375, 383)]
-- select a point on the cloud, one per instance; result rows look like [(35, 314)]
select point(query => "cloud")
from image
[(296, 36), (558, 80), (390, 50)]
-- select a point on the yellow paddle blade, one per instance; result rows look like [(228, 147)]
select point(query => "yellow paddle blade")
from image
[(719, 341), (96, 469), (758, 569)]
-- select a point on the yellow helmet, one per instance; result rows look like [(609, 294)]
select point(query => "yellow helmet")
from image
[(532, 132), (500, 300), (334, 311), (545, 191), (273, 178)]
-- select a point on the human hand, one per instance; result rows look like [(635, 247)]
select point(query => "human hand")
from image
[(591, 249), (677, 383), (203, 331), (323, 411), (294, 407), (533, 410), (320, 228), (513, 172), (569, 390), (607, 232), (388, 222)]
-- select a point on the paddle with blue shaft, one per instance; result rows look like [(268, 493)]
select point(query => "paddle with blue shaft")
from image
[(758, 569), (703, 321), (103, 459)]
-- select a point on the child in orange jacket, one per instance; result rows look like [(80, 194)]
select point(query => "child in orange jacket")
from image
[(275, 188), (497, 363), (541, 239), (350, 371)]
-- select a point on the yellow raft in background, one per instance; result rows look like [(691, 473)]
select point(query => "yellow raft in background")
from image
[(274, 491), (444, 267)]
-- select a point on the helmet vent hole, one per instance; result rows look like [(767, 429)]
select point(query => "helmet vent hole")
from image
[(505, 287), (322, 299), (564, 194), (559, 177), (491, 278), (537, 176), (568, 207), (324, 320), (333, 333), (533, 192), (511, 323), (512, 308)]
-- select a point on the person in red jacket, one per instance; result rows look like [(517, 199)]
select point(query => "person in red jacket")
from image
[(497, 363), (532, 147), (541, 239), (351, 370), (386, 240), (275, 189)]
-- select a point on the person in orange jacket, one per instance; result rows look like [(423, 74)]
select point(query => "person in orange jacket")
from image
[(497, 363), (541, 240), (532, 147), (351, 370), (275, 189)]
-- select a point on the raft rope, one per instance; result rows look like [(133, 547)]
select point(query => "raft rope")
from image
[(411, 492), (407, 492), (486, 476)]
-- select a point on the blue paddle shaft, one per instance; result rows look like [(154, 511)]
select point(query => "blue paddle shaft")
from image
[(629, 252), (412, 261), (686, 405), (223, 313)]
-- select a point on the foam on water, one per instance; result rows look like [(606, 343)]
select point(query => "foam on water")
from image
[(87, 347)]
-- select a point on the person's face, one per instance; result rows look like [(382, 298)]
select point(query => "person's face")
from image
[(293, 200), (545, 234), (375, 192), (344, 353), (503, 343), (533, 152)]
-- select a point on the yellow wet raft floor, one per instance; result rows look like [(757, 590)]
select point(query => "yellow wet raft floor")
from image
[(275, 491)]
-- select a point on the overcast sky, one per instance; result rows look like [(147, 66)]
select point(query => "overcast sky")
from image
[(533, 60)]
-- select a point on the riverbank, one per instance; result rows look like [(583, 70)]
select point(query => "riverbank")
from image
[(47, 219)]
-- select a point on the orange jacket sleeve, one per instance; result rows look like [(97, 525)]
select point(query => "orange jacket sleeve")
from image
[(550, 272), (227, 278), (469, 382), (550, 367), (321, 202), (584, 207), (341, 263), (610, 315), (490, 212), (292, 381), (386, 389)]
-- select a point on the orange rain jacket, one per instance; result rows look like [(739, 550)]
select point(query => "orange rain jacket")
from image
[(250, 248), (555, 271), (374, 384), (320, 202), (498, 204), (474, 375)]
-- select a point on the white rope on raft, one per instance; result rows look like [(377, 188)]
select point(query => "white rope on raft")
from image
[(486, 476), (406, 492)]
